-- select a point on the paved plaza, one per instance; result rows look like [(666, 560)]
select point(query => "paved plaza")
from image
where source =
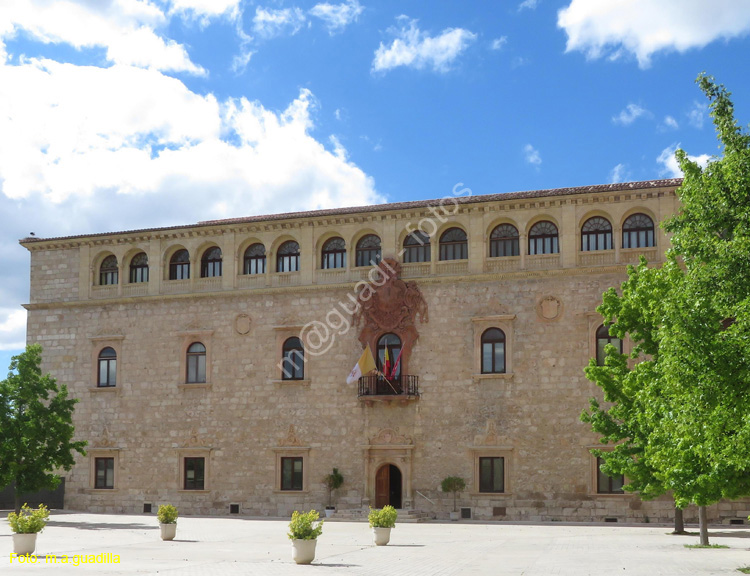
[(260, 547)]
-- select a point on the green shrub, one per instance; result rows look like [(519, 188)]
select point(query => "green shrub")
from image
[(29, 521), (385, 518), (167, 514), (333, 481), (302, 526), (453, 484)]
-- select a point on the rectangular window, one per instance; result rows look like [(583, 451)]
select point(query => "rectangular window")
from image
[(608, 484), (194, 473), (291, 473), (492, 474), (105, 473)]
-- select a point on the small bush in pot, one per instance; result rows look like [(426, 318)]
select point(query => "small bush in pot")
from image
[(303, 532), (167, 515), (381, 522), (333, 481), (453, 484), (25, 526)]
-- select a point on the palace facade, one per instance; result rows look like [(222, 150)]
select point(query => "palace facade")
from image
[(211, 360)]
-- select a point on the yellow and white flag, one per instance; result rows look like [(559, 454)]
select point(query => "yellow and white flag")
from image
[(364, 365)]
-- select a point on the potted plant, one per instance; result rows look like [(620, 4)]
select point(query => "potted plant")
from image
[(381, 522), (333, 481), (167, 515), (25, 526), (303, 532), (453, 484)]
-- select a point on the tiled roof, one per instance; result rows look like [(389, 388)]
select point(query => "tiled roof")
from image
[(531, 194)]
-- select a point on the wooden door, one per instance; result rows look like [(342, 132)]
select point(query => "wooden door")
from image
[(383, 486)]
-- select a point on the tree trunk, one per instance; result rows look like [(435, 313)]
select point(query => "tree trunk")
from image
[(17, 499), (679, 522), (703, 521)]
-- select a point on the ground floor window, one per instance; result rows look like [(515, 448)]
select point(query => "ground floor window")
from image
[(105, 473), (291, 473), (608, 484), (492, 474), (194, 473)]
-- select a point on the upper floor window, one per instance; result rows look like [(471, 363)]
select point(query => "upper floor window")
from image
[(292, 360), (602, 339), (454, 245), (543, 238), (638, 232), (196, 363), (287, 258), (368, 250), (108, 273), (179, 265), (504, 241), (417, 247), (493, 351), (334, 254), (139, 268), (107, 368), (255, 260), (596, 234), (211, 263)]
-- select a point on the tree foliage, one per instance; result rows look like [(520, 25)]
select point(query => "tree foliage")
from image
[(36, 428), (679, 409)]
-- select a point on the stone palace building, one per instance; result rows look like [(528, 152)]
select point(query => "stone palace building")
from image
[(211, 360)]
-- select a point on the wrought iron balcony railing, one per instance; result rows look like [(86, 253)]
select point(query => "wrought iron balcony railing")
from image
[(402, 386)]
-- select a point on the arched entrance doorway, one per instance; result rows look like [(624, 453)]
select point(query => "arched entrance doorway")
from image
[(388, 486)]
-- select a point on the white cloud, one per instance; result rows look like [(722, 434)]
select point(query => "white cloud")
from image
[(532, 155), (646, 27), (629, 115), (414, 48), (619, 174), (338, 16), (12, 330), (126, 28), (697, 115), (530, 4), (205, 8), (271, 23), (498, 43), (670, 123), (670, 167)]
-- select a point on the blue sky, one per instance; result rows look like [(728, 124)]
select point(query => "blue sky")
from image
[(122, 114)]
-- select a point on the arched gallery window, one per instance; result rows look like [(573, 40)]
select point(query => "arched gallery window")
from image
[(543, 238), (504, 241)]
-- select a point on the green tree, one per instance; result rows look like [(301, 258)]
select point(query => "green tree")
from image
[(680, 415), (36, 428)]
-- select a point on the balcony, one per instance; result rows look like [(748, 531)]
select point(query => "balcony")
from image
[(378, 389)]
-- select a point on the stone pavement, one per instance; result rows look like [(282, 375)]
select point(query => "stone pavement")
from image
[(252, 546)]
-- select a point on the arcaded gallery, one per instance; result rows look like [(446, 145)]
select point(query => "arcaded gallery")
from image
[(211, 360)]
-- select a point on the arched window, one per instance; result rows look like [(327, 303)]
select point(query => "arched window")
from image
[(417, 247), (596, 234), (453, 245), (107, 368), (108, 274), (504, 241), (196, 363), (368, 250), (292, 359), (211, 263), (334, 254), (602, 339), (255, 260), (493, 351), (638, 232), (287, 257), (139, 268), (388, 359), (179, 265), (543, 238)]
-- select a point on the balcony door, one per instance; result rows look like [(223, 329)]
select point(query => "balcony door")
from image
[(389, 348)]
